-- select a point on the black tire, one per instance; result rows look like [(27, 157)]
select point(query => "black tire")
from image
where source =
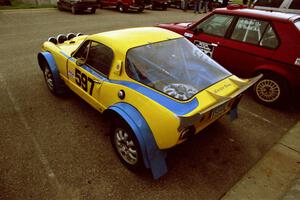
[(121, 8), (93, 10), (140, 10), (74, 10), (271, 90), (126, 145), (164, 7), (59, 6), (50, 81)]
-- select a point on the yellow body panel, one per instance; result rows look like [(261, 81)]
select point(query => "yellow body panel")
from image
[(163, 122)]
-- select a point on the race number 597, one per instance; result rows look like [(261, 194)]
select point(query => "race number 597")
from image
[(82, 81)]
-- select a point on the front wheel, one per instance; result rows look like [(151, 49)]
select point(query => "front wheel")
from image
[(271, 90), (126, 145), (51, 82), (140, 9)]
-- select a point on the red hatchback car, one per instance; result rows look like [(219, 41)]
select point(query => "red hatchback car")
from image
[(248, 42)]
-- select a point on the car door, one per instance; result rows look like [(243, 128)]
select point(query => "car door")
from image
[(88, 69), (109, 2), (251, 43), (209, 35)]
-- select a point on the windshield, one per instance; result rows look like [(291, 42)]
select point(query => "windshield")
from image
[(175, 67)]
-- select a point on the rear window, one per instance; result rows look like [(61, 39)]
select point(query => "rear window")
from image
[(255, 32), (249, 30), (269, 3)]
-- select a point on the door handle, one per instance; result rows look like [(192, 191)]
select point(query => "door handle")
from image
[(215, 44), (97, 82)]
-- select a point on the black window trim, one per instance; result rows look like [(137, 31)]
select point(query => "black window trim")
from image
[(270, 23), (193, 28), (93, 68)]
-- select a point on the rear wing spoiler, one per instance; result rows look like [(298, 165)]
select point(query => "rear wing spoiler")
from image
[(187, 121)]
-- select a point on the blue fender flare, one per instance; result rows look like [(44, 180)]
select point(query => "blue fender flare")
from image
[(153, 157), (58, 82)]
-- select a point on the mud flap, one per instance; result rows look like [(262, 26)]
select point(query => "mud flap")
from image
[(153, 157)]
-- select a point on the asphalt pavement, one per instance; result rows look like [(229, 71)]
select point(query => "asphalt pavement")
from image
[(57, 148)]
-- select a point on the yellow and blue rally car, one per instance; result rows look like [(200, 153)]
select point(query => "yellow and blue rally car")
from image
[(157, 88)]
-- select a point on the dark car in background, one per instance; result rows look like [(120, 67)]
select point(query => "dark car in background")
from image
[(291, 6), (123, 5), (248, 42), (157, 4), (77, 6)]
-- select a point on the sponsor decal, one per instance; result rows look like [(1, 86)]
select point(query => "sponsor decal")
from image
[(207, 48), (71, 74), (216, 91)]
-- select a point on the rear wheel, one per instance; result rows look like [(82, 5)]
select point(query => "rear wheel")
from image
[(59, 6), (74, 10), (93, 10), (271, 89), (140, 9), (121, 8), (126, 145)]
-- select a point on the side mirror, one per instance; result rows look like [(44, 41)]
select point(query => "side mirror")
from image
[(80, 61), (118, 68)]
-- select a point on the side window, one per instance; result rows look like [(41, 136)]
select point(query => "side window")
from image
[(100, 57), (269, 39), (83, 51), (216, 25), (249, 30), (269, 3), (295, 4)]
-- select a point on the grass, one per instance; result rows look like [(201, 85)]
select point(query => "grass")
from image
[(15, 4), (237, 2)]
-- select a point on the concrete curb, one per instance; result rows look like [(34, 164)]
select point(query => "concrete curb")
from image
[(276, 175)]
